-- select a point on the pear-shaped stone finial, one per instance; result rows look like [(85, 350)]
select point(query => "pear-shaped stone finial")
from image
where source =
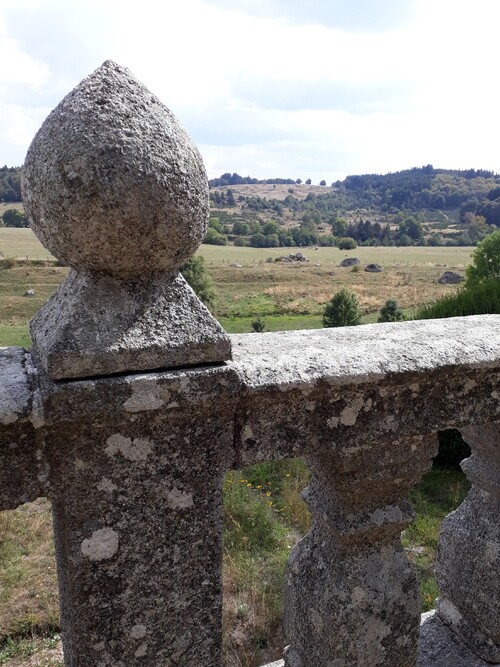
[(115, 188), (113, 183)]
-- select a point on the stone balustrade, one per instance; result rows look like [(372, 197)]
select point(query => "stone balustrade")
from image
[(133, 403)]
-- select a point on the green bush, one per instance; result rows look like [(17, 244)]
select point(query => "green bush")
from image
[(196, 276), (483, 299), (342, 310), (213, 237), (485, 261), (347, 243), (391, 312)]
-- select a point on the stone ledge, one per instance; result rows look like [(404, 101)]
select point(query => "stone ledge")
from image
[(438, 647)]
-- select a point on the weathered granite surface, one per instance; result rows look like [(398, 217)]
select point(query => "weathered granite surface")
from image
[(438, 646), (20, 473), (134, 465), (114, 187), (362, 385), (112, 182), (158, 322), (441, 647), (468, 563)]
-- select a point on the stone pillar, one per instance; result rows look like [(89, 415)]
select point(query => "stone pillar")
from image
[(468, 563), (136, 484), (351, 596), (134, 463)]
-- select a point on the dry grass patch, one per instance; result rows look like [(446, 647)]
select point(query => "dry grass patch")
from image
[(28, 583)]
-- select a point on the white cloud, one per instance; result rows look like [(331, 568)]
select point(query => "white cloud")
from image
[(278, 92)]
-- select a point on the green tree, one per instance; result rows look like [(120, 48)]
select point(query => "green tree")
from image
[(240, 228), (485, 261), (14, 218), (196, 276), (391, 312), (342, 310), (215, 223), (270, 227), (339, 226)]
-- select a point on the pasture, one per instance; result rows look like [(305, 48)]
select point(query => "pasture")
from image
[(21, 243), (289, 296)]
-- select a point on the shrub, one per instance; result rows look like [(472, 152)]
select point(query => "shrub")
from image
[(196, 276), (483, 299), (486, 261), (347, 243), (213, 237), (258, 324), (240, 242), (342, 310), (391, 312)]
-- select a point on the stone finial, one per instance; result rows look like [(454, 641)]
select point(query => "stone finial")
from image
[(113, 183), (115, 188)]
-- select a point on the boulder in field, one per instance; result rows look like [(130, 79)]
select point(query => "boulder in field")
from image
[(450, 278), (350, 261), (373, 268)]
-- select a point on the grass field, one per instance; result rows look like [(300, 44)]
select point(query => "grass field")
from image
[(21, 243), (288, 296), (414, 255)]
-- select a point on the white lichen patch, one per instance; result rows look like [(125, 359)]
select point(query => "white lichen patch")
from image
[(102, 545), (106, 485), (138, 631), (137, 449), (358, 595), (184, 384), (350, 413), (332, 422), (448, 611), (144, 397), (247, 433), (37, 416), (469, 386), (178, 499), (142, 650)]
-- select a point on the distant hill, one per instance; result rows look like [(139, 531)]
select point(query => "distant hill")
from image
[(420, 206)]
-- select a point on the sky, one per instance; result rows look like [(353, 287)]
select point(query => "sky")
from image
[(314, 89)]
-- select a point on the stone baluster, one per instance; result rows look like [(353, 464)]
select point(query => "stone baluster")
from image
[(351, 596), (133, 463), (468, 563)]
